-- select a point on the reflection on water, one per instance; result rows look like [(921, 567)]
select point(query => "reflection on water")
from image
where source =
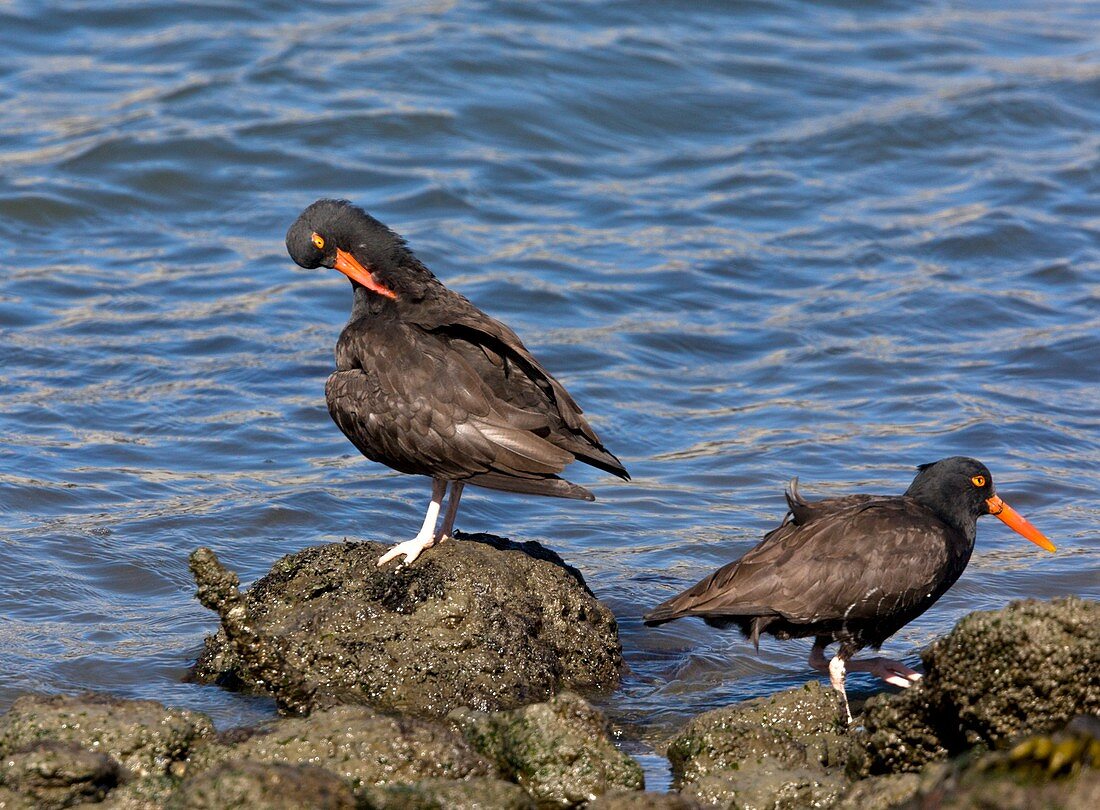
[(755, 241)]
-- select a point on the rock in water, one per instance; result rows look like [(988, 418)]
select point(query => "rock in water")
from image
[(1027, 668), (49, 774), (785, 750), (560, 751), (271, 785), (141, 735), (362, 746), (482, 622)]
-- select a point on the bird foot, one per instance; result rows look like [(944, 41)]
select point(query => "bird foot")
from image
[(410, 549), (894, 673)]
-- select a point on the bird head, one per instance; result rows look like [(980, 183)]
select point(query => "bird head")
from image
[(344, 237), (960, 490)]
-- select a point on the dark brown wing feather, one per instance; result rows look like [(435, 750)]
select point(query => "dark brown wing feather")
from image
[(869, 564), (803, 511), (407, 400), (513, 374)]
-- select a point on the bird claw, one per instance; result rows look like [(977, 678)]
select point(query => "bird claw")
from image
[(894, 673), (901, 679), (410, 548)]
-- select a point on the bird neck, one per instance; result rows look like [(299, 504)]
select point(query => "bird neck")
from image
[(950, 510), (366, 303)]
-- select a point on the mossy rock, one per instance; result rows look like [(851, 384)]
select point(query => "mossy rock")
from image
[(360, 745), (1029, 667), (242, 785), (445, 794), (795, 729), (50, 774), (480, 622), (559, 751), (141, 735)]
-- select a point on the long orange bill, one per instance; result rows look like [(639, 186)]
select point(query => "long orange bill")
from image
[(350, 267), (1017, 522)]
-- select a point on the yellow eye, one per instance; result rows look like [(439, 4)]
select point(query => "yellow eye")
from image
[(318, 241), (978, 480)]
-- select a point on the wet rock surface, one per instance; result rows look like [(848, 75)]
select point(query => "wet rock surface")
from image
[(789, 750), (482, 622), (444, 794), (786, 750), (1057, 770), (1029, 667), (361, 746), (630, 800), (269, 785), (52, 774), (879, 792), (559, 751), (142, 736)]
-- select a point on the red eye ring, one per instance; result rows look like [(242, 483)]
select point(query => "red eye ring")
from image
[(318, 241), (978, 480)]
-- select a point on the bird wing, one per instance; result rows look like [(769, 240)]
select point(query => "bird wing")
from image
[(860, 562), (403, 399), (457, 316), (803, 511)]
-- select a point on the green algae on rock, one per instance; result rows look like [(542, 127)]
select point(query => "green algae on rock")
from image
[(1041, 771), (785, 750), (560, 751), (797, 728), (481, 622)]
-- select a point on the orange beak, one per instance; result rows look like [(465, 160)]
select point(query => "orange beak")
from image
[(350, 267), (1017, 522)]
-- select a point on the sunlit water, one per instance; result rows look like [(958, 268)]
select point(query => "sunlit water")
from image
[(754, 240)]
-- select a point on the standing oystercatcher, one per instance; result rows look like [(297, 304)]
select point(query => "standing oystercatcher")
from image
[(428, 384), (854, 569)]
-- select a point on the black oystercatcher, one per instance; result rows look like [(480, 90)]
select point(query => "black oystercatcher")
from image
[(855, 569), (427, 383)]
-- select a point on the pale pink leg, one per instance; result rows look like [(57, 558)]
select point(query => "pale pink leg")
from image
[(836, 678), (426, 538), (893, 672)]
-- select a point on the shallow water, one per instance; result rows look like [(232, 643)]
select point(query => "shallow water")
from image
[(755, 240)]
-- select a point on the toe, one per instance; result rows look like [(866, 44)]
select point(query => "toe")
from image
[(397, 551), (389, 555), (897, 680)]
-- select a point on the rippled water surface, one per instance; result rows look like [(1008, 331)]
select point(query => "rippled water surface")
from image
[(755, 240)]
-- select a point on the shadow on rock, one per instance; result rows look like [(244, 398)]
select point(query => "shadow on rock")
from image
[(482, 622)]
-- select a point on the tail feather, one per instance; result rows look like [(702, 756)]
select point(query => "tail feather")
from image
[(603, 460), (660, 615), (598, 457), (551, 485)]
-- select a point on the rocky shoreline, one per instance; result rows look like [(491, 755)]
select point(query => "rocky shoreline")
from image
[(451, 684)]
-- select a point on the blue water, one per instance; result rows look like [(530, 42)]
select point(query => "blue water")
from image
[(755, 240)]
